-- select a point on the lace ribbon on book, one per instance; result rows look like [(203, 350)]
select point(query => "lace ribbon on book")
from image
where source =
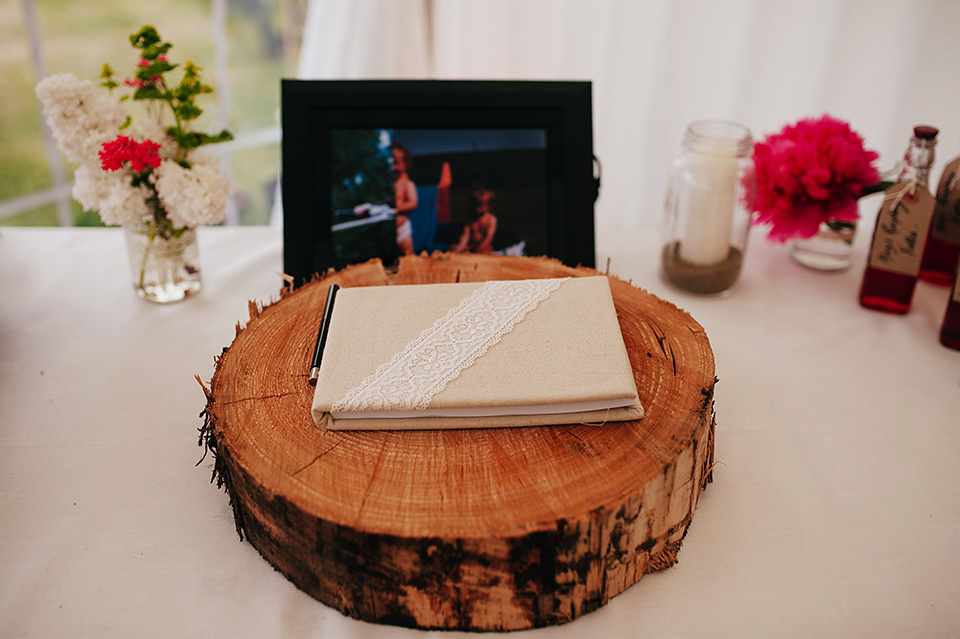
[(424, 367)]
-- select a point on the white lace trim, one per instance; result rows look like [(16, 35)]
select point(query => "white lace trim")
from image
[(424, 367)]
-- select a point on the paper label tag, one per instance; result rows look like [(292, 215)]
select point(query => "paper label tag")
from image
[(902, 227), (946, 213)]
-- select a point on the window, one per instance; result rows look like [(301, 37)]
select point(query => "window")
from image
[(243, 46)]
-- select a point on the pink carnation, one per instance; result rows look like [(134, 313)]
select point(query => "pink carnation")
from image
[(142, 156), (811, 172)]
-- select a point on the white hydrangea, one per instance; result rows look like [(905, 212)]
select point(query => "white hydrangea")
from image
[(153, 129), (111, 193), (81, 116), (194, 196)]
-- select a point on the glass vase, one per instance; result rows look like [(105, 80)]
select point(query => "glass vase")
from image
[(831, 249), (164, 269)]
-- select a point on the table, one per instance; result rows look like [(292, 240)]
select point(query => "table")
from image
[(834, 511)]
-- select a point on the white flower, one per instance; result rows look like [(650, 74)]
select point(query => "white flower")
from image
[(153, 129), (81, 116), (110, 193), (193, 196)]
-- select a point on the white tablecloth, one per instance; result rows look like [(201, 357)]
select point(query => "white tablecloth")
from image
[(834, 511)]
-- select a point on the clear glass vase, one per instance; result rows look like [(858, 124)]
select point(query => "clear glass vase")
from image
[(831, 249), (164, 269)]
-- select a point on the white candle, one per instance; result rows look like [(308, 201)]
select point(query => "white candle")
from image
[(710, 192)]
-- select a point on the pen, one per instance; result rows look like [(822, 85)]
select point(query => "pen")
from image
[(322, 334)]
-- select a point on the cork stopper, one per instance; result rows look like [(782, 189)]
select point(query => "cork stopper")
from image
[(925, 132)]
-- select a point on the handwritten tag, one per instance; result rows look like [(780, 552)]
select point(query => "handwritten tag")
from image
[(902, 227), (946, 213)]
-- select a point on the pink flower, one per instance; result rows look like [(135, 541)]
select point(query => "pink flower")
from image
[(810, 172), (137, 83), (142, 156), (144, 62)]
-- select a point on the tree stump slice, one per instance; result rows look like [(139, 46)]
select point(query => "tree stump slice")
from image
[(490, 529)]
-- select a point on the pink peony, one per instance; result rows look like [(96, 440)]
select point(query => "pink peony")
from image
[(811, 172)]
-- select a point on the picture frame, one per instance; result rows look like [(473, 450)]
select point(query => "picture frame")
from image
[(527, 144)]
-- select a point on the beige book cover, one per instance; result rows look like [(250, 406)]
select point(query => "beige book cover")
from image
[(475, 355)]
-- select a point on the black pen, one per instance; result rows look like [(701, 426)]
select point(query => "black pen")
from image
[(322, 335)]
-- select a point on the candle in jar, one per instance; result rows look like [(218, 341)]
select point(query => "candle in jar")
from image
[(710, 193)]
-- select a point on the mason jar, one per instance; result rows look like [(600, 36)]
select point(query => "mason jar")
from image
[(164, 269), (708, 208)]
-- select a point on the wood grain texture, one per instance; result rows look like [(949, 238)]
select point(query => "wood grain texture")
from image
[(492, 529)]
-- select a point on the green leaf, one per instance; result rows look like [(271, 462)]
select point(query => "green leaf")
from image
[(107, 74), (190, 140), (154, 51), (191, 70), (837, 225), (145, 37), (157, 67), (876, 188), (182, 93), (187, 111), (179, 138), (223, 136), (149, 92)]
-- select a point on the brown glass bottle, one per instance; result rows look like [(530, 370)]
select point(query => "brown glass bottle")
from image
[(939, 258), (942, 253), (886, 288), (950, 331)]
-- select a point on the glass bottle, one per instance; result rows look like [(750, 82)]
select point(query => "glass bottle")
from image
[(900, 235), (950, 331), (708, 204), (942, 253)]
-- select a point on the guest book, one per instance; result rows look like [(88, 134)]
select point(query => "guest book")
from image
[(474, 355)]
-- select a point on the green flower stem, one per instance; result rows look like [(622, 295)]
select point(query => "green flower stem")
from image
[(151, 237), (181, 154)]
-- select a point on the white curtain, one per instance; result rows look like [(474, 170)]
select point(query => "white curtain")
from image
[(656, 65)]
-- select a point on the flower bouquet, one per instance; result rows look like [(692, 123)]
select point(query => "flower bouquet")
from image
[(150, 179), (809, 178)]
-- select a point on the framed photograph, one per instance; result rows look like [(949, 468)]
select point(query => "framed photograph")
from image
[(384, 168)]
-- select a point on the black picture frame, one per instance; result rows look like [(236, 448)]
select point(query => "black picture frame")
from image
[(312, 109)]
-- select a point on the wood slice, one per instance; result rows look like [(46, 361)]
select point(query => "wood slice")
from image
[(492, 529)]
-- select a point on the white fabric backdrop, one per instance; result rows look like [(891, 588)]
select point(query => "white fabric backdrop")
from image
[(656, 65)]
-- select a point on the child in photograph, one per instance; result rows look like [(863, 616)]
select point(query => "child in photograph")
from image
[(404, 195), (478, 233)]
